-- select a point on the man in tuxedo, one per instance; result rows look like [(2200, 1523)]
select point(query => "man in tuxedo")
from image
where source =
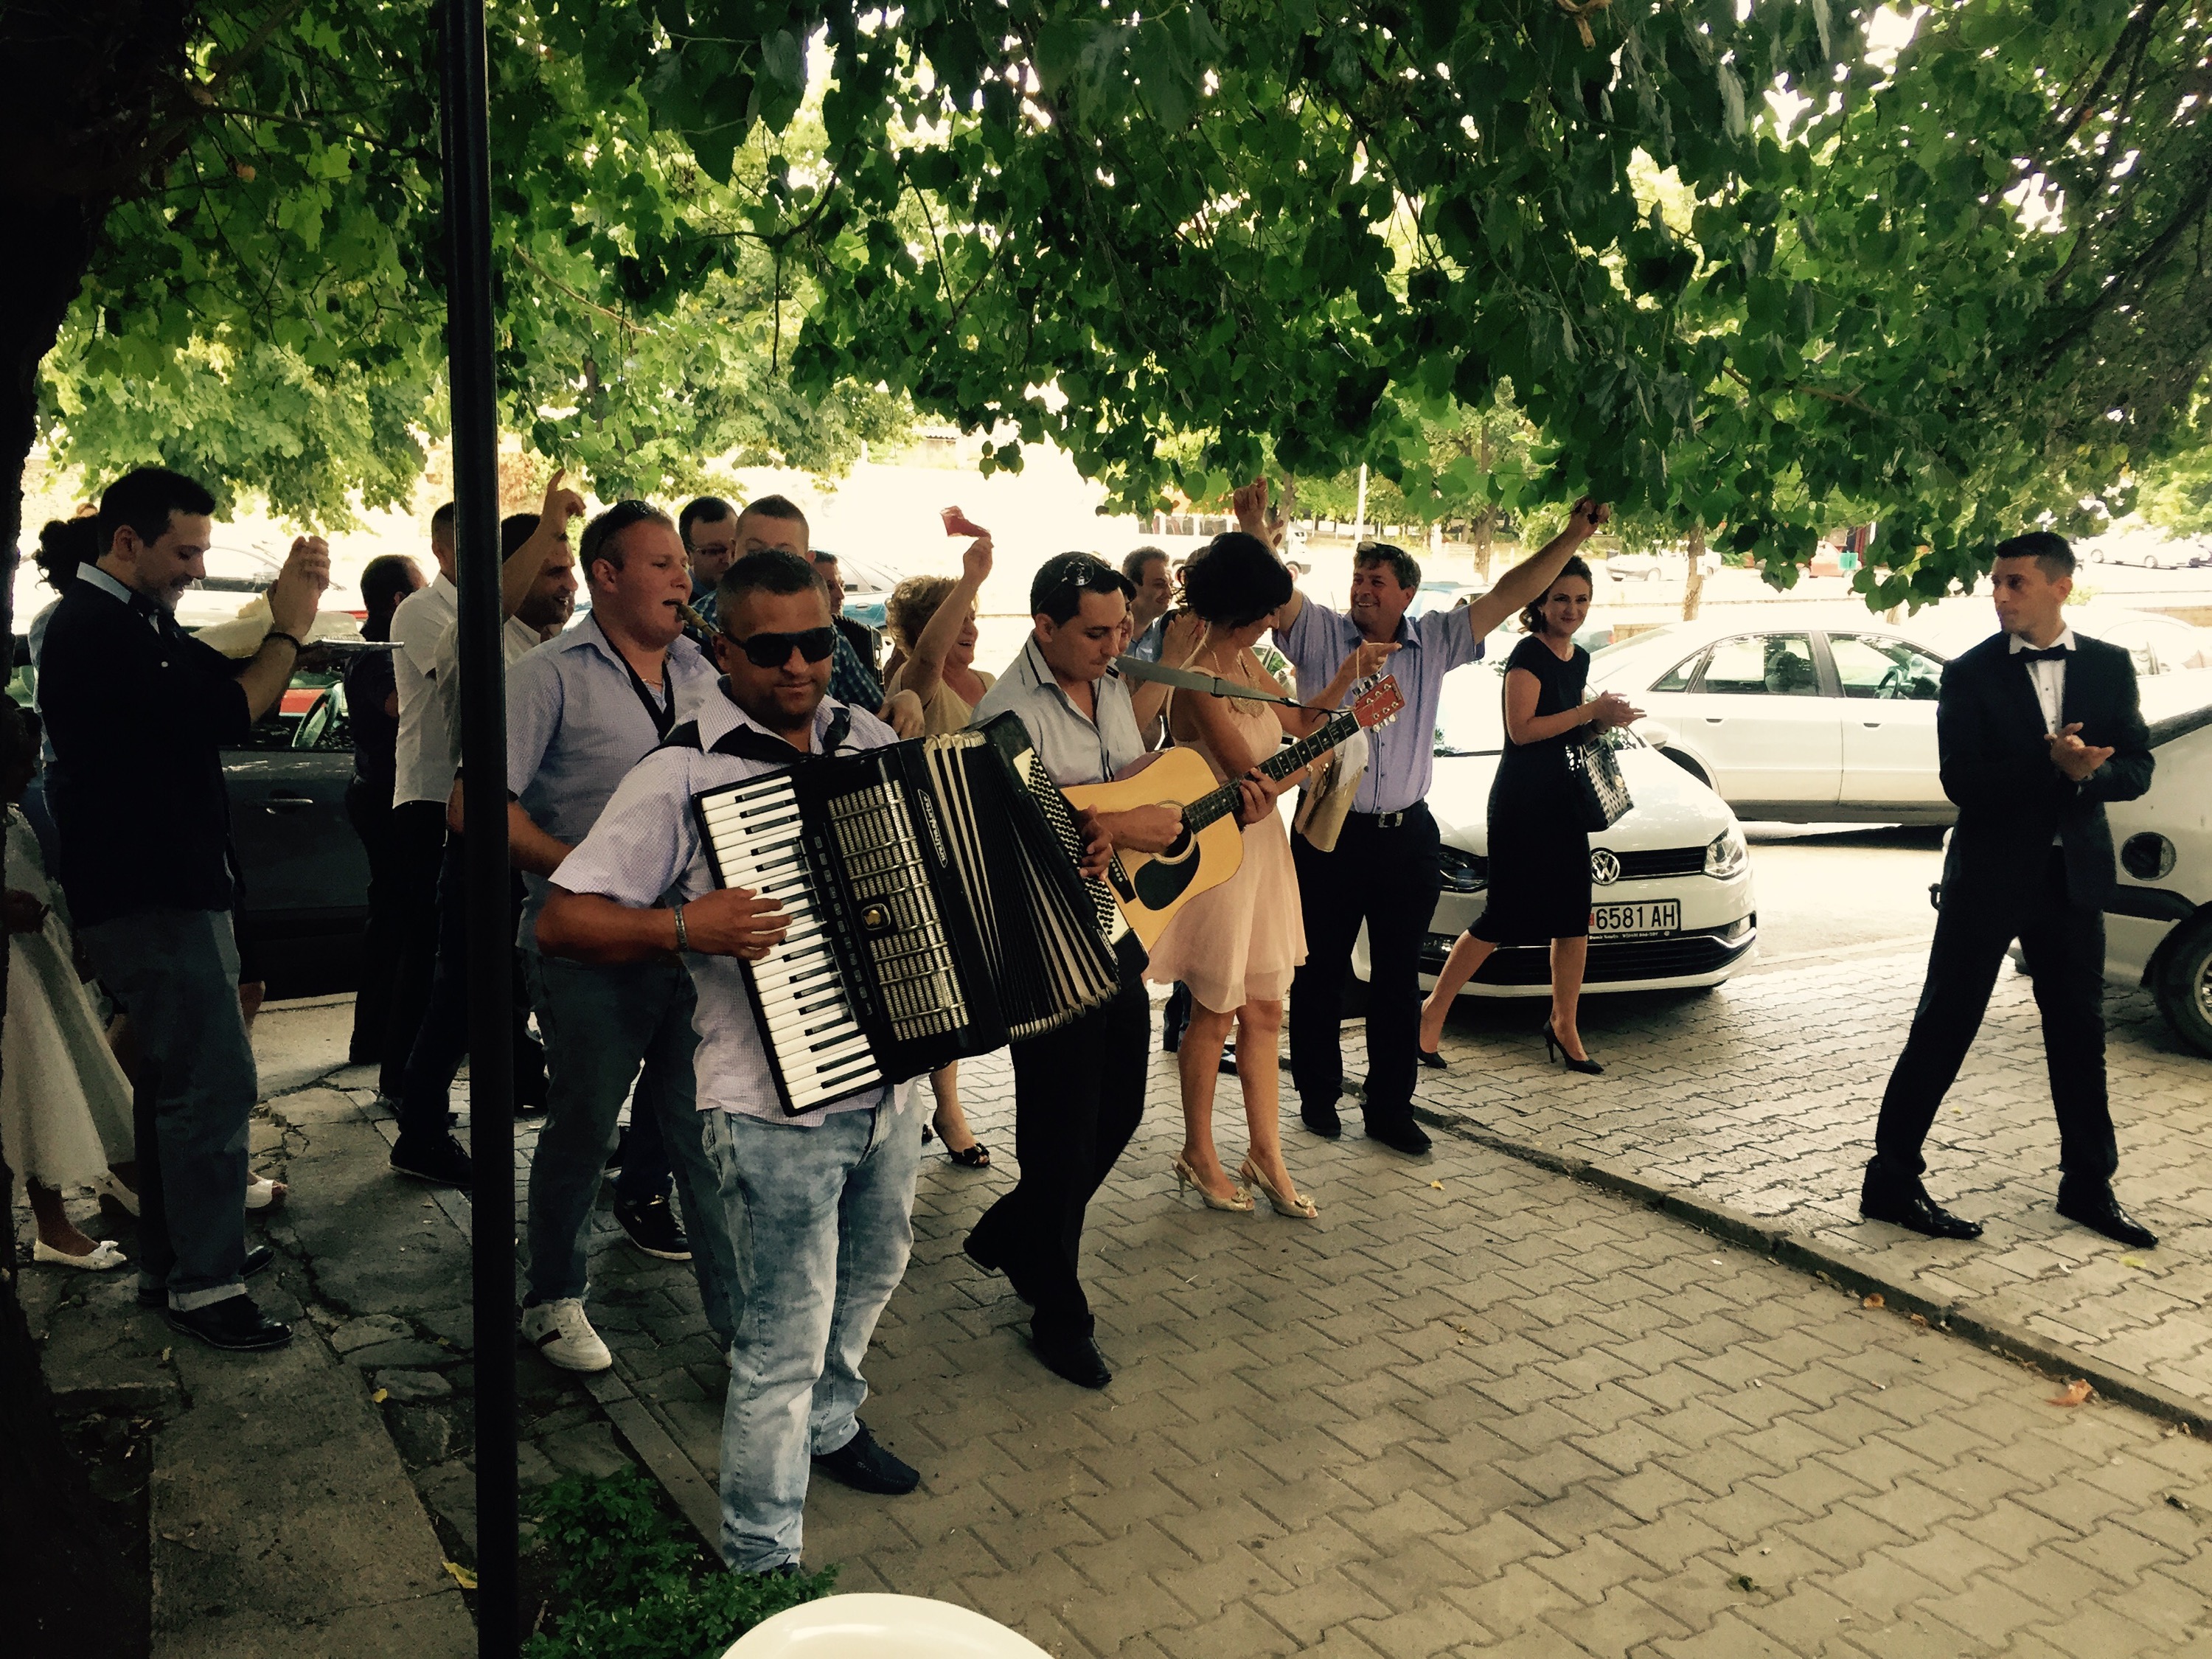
[(2038, 728)]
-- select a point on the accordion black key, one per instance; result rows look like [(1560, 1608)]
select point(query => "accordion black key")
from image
[(936, 910)]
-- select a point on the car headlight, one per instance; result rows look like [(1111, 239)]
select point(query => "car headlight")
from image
[(1726, 854), (1464, 873)]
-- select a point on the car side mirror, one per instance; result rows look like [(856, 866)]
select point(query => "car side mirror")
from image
[(1658, 736)]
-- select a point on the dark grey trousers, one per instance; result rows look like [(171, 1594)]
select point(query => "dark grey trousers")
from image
[(175, 972)]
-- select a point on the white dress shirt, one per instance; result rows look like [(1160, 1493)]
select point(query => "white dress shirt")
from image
[(2049, 678), (423, 766)]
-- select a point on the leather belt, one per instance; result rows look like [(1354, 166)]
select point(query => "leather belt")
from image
[(1393, 820)]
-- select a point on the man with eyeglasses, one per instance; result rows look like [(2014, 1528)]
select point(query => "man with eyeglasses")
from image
[(1383, 871), (821, 1203), (1079, 1091)]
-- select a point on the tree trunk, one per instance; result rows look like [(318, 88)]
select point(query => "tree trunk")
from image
[(1485, 520), (1693, 585)]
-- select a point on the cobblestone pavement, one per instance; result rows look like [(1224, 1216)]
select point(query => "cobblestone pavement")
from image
[(1476, 1407), (1762, 1096)]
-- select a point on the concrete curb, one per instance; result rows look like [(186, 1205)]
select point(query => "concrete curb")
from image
[(1808, 1255)]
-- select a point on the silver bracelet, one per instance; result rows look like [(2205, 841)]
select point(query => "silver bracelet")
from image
[(683, 941)]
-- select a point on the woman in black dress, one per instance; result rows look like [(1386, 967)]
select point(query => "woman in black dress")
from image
[(1539, 879)]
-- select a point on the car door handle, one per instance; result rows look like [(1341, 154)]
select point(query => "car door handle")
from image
[(1871, 725), (289, 803)]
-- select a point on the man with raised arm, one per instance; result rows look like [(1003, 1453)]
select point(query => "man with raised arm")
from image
[(1383, 870)]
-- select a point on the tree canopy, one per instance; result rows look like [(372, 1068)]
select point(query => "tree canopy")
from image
[(1755, 272)]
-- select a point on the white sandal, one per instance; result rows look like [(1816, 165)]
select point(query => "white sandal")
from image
[(261, 1193), (102, 1256), (109, 1187)]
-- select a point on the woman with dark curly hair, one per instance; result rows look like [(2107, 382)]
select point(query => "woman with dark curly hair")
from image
[(1540, 878), (1237, 945)]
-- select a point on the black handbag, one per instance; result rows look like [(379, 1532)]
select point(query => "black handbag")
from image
[(1600, 789)]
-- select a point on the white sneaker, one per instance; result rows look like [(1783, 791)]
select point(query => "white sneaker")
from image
[(565, 1337)]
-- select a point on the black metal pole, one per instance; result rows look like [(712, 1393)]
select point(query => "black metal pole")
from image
[(483, 803)]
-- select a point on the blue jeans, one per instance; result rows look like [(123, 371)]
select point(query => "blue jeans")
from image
[(834, 1208), (175, 972), (602, 1024)]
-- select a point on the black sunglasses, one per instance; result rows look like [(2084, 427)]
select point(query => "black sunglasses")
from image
[(774, 650)]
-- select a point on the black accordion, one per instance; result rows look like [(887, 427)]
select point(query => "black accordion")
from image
[(936, 910)]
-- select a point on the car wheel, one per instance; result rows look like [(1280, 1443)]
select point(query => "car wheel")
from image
[(2183, 986), (1688, 765)]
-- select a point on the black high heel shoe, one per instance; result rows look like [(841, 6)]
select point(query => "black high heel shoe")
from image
[(1553, 1049), (1431, 1058)]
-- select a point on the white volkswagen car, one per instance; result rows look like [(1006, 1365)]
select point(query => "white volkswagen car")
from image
[(1671, 905), (2158, 924)]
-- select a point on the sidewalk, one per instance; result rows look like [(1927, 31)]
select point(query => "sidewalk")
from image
[(1761, 1096)]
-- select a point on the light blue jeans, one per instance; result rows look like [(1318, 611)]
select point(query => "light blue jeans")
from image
[(821, 1223)]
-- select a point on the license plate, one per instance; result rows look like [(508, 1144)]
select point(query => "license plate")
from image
[(1641, 919)]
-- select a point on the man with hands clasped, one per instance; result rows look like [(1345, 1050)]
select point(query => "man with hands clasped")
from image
[(2037, 727), (139, 713)]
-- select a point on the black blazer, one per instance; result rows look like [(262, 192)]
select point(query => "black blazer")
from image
[(1997, 770)]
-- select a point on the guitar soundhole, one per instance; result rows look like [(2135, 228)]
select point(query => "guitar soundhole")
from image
[(1178, 846)]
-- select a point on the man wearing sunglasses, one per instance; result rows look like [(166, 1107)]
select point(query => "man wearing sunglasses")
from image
[(1079, 1091), (828, 1196), (1383, 871)]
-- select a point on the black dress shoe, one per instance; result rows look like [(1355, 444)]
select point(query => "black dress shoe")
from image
[(653, 1228), (2096, 1209), (1320, 1117), (257, 1257), (440, 1160), (235, 1325), (988, 1259), (1883, 1198), (864, 1466), (1075, 1358), (1399, 1132)]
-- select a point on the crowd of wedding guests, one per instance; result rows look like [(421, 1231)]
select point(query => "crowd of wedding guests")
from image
[(712, 650)]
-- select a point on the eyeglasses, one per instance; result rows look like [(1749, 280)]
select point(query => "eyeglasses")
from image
[(774, 650)]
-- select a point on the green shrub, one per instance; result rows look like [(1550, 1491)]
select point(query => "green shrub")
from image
[(629, 1582)]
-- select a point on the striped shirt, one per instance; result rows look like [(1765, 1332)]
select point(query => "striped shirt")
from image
[(1401, 756), (647, 846)]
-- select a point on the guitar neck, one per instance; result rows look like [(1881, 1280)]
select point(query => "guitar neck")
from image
[(1280, 765)]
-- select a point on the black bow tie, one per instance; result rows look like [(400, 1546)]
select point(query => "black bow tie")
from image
[(2056, 653), (749, 742)]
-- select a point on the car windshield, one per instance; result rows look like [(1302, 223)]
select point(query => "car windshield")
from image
[(1471, 714)]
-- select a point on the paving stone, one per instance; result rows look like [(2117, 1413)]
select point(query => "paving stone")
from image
[(373, 1328), (410, 1387)]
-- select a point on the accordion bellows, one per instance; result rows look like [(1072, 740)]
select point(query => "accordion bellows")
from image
[(936, 910)]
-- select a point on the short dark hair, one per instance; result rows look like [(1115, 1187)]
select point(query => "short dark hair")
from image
[(1532, 613), (598, 541), (1134, 561), (385, 580), (515, 529), (771, 570), (1235, 580), (2053, 554), (65, 544), (703, 509), (442, 519), (821, 555), (776, 506), (1403, 565), (1061, 580), (143, 498)]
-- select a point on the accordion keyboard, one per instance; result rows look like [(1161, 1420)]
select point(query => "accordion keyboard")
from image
[(815, 1042)]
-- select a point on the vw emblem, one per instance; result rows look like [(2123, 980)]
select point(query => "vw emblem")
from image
[(1604, 869)]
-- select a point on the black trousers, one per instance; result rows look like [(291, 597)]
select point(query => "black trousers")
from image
[(2064, 946), (418, 848), (1078, 1094), (370, 809), (1387, 879)]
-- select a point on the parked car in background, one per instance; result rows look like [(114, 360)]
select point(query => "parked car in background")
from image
[(1672, 906), (2158, 925), (1794, 716), (867, 586)]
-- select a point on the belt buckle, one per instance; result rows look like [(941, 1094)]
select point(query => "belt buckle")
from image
[(1389, 820)]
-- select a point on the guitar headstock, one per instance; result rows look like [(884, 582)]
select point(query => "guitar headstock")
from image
[(1377, 699)]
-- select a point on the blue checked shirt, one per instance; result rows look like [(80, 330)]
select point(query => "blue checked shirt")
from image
[(1401, 756), (647, 844), (574, 728)]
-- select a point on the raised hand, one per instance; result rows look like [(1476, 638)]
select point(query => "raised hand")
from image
[(297, 593), (732, 921), (976, 563), (1586, 516), (560, 506), (1250, 502)]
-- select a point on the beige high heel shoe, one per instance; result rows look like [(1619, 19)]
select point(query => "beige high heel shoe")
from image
[(1240, 1201), (1296, 1205)]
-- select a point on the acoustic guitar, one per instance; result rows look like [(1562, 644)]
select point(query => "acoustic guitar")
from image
[(1152, 887)]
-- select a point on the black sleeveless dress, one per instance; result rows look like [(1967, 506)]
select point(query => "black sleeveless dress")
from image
[(1540, 878)]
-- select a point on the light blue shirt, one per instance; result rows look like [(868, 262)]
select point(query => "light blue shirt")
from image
[(1148, 644), (1075, 749), (1401, 756), (648, 843), (574, 729)]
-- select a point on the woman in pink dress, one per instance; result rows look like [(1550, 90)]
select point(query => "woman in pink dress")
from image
[(1237, 945)]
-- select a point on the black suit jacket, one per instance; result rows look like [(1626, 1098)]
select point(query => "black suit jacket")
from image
[(1997, 769)]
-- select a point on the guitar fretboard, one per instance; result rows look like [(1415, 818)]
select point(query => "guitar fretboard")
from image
[(1280, 765)]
